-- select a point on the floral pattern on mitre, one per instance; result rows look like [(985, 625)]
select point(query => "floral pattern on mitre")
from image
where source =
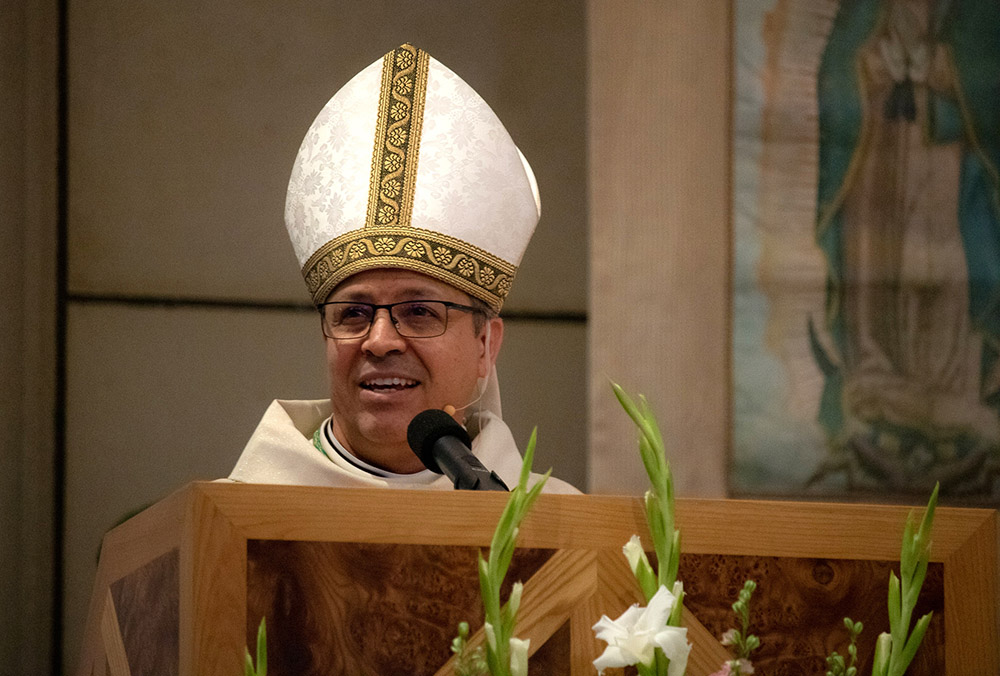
[(457, 263)]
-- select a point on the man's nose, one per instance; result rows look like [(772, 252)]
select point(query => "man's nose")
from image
[(383, 337)]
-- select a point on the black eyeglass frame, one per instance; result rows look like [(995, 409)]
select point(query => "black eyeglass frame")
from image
[(395, 323)]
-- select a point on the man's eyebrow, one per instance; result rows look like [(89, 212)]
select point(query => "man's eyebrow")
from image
[(420, 292), (409, 293), (351, 296)]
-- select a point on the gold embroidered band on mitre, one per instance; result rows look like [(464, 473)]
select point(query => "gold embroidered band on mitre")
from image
[(397, 136), (464, 266), (387, 239)]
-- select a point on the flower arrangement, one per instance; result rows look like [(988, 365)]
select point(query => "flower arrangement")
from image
[(506, 655), (650, 638), (896, 648)]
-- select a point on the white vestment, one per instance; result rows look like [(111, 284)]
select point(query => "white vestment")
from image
[(281, 451)]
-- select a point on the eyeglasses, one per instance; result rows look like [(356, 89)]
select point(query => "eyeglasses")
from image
[(344, 320)]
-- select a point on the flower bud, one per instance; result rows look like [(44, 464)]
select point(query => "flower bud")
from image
[(514, 602), (883, 648), (633, 552), (519, 656)]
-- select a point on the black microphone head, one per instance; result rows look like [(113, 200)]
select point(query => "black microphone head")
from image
[(426, 428)]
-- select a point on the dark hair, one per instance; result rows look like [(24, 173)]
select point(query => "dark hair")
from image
[(483, 313)]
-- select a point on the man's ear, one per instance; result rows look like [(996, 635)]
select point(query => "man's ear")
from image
[(492, 337)]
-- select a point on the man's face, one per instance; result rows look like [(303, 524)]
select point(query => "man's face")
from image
[(380, 382)]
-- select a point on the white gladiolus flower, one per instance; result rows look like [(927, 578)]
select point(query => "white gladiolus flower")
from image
[(519, 656), (634, 637)]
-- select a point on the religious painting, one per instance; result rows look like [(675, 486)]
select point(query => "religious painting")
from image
[(866, 248)]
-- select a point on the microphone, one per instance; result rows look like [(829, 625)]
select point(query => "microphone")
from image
[(444, 447)]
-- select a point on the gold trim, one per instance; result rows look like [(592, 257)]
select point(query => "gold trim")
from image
[(387, 239), (397, 137), (463, 265)]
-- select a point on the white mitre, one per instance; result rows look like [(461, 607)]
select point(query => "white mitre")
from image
[(407, 167)]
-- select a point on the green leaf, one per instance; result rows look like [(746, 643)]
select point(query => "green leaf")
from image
[(499, 571), (675, 613), (646, 577), (529, 459), (915, 583), (653, 428), (533, 494), (895, 604), (647, 455), (630, 408), (646, 670), (490, 594), (912, 644), (904, 592), (493, 570), (883, 648), (262, 648), (907, 557), (927, 522), (674, 560)]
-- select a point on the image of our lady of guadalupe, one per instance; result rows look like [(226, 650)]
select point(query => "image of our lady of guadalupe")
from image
[(908, 221)]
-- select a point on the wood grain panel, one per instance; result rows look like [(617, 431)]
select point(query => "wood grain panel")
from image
[(213, 583), (124, 549), (814, 564), (798, 609), (149, 598), (550, 597), (810, 529), (114, 646), (971, 591), (366, 608)]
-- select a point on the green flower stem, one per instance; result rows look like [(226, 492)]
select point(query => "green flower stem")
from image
[(500, 619), (836, 664), (641, 569), (895, 650), (261, 670), (659, 499), (659, 508)]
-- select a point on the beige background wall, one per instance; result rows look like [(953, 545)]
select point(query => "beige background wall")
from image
[(659, 236), (185, 311)]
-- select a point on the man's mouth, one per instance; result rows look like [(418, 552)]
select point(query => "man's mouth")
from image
[(388, 384)]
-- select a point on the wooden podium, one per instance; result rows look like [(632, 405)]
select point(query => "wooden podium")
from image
[(375, 581)]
